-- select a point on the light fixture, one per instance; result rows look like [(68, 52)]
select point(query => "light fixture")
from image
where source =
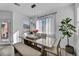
[(33, 6), (17, 4)]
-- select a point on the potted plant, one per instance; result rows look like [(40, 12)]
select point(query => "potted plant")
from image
[(67, 29)]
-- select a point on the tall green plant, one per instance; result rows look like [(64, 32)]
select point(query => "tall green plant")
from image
[(67, 29)]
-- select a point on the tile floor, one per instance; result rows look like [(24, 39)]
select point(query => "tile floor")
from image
[(6, 51)]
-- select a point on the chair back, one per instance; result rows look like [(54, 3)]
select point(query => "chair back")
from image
[(57, 43), (38, 34), (43, 36)]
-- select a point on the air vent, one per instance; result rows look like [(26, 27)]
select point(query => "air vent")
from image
[(17, 4)]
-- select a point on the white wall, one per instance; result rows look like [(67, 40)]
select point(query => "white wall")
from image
[(61, 14), (77, 25), (5, 14), (17, 26)]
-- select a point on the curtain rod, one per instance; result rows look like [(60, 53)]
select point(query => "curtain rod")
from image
[(48, 14)]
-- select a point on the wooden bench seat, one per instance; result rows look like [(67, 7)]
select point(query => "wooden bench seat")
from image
[(25, 50)]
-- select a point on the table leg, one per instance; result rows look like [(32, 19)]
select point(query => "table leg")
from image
[(43, 52), (35, 45)]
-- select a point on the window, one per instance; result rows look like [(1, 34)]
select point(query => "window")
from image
[(46, 24)]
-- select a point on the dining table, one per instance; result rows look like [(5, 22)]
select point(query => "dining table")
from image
[(40, 42)]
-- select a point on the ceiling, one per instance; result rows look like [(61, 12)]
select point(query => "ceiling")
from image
[(25, 8)]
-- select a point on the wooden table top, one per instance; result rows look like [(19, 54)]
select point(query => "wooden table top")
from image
[(40, 42)]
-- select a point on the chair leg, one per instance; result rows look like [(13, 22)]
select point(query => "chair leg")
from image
[(43, 52), (59, 51)]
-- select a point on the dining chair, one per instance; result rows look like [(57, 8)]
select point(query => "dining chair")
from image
[(43, 36), (38, 34), (56, 49), (42, 39)]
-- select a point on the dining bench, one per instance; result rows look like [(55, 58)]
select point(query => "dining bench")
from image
[(25, 50)]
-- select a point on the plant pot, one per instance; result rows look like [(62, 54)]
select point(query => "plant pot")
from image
[(69, 49)]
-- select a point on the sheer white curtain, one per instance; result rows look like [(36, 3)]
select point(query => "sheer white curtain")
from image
[(46, 25), (39, 25)]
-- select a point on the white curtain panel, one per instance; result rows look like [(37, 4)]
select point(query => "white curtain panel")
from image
[(46, 24)]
